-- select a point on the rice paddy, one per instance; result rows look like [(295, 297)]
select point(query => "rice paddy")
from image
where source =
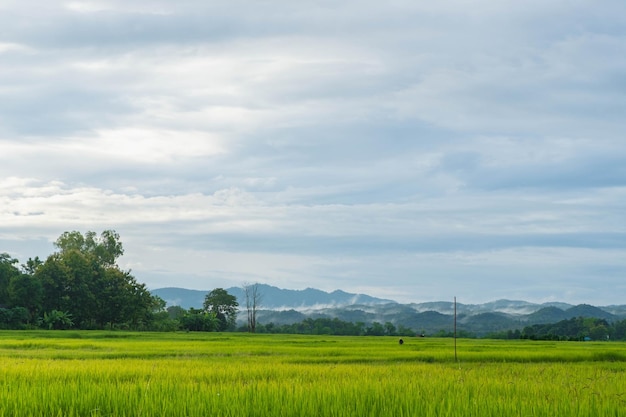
[(231, 374)]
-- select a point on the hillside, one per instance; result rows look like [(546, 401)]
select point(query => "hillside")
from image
[(272, 297), (282, 306), (586, 310), (547, 315)]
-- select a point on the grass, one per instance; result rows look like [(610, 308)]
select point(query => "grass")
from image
[(191, 374)]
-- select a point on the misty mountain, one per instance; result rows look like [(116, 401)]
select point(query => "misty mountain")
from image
[(585, 310), (280, 306), (511, 307), (547, 315), (271, 297), (181, 297), (277, 298)]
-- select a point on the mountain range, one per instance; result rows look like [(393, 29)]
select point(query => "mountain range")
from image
[(273, 298), (283, 306)]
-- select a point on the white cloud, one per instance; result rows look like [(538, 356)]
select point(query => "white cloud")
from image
[(154, 146), (400, 147), (92, 6), (6, 47)]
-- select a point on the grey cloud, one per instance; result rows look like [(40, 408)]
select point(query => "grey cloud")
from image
[(363, 132), (59, 111), (148, 23), (367, 245), (599, 167)]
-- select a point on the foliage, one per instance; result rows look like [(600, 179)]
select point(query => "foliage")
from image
[(334, 326), (78, 286), (104, 249), (31, 266), (8, 272), (224, 306), (578, 328), (14, 318), (200, 321), (57, 320)]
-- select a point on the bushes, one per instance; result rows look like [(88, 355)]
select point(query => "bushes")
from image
[(15, 318)]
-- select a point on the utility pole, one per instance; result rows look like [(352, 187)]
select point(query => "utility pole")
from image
[(455, 357)]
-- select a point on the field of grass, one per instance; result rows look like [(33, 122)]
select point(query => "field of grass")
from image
[(192, 374)]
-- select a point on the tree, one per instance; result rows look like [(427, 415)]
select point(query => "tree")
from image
[(175, 312), (32, 265), (599, 332), (26, 291), (19, 290), (376, 329), (53, 275), (199, 321), (619, 330), (115, 299), (105, 249), (8, 271), (166, 319), (82, 279), (390, 329), (253, 302), (81, 288), (13, 318), (57, 320), (224, 306)]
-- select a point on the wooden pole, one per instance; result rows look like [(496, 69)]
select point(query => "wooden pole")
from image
[(455, 356)]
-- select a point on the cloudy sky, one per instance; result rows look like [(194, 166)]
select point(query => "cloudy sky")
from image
[(413, 150)]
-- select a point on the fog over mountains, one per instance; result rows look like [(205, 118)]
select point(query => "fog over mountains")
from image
[(282, 306), (273, 298)]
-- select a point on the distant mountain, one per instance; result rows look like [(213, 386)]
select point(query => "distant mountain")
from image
[(585, 310), (553, 314), (547, 315), (272, 298), (485, 323), (277, 298), (280, 317), (512, 307), (181, 297), (281, 306), (616, 310)]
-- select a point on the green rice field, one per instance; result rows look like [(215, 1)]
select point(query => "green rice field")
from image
[(50, 373)]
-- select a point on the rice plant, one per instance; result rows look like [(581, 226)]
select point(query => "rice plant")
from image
[(132, 374)]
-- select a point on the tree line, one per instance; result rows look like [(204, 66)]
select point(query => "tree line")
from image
[(193, 319), (81, 286), (334, 326), (579, 328), (574, 329), (78, 286)]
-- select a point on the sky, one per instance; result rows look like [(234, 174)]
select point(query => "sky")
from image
[(410, 150)]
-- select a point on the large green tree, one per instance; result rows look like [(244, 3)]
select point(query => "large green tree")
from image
[(53, 275), (81, 287), (224, 306), (82, 279)]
